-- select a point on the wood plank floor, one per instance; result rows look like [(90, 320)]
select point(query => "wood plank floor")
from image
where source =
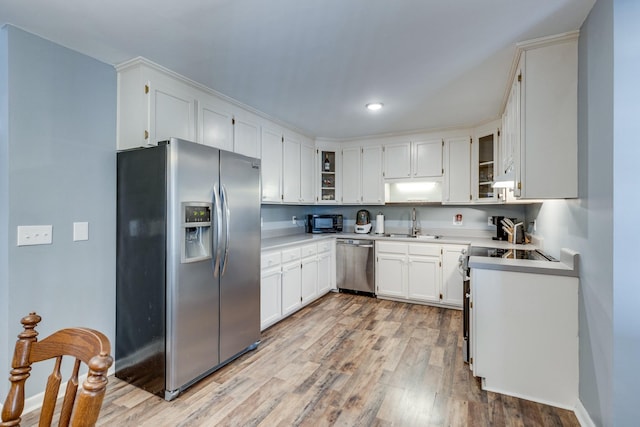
[(345, 360)]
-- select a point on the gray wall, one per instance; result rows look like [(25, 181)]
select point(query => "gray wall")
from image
[(277, 218), (61, 155), (4, 216), (590, 224), (626, 233)]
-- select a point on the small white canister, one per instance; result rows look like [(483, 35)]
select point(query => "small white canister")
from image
[(380, 223)]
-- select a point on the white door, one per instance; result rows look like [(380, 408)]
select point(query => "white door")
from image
[(397, 160), (271, 165), (246, 137), (458, 170), (307, 172), (372, 184), (291, 170), (291, 295), (324, 273), (172, 113), (451, 277), (270, 297), (427, 158), (309, 279), (390, 275), (351, 175), (216, 125), (424, 278)]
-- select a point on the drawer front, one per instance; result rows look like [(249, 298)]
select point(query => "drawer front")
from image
[(269, 259), (309, 250), (392, 247), (324, 247), (424, 249), (289, 255)]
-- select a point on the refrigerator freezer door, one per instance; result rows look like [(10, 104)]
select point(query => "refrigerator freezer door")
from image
[(240, 280), (192, 289)]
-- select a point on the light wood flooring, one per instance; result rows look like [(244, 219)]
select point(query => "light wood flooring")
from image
[(345, 360)]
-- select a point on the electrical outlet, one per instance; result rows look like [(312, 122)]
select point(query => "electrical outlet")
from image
[(490, 220), (293, 220)]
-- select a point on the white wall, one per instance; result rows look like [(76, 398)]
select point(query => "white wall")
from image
[(60, 151)]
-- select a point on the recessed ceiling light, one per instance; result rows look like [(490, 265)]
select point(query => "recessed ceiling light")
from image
[(374, 106)]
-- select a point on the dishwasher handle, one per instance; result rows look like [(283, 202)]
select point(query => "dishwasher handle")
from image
[(354, 244)]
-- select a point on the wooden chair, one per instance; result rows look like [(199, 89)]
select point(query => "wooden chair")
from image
[(87, 346)]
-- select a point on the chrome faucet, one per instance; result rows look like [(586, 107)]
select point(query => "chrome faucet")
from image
[(414, 224)]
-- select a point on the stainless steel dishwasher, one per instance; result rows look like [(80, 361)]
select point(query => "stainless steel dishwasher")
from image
[(355, 266)]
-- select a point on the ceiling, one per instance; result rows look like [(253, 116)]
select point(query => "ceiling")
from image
[(314, 64)]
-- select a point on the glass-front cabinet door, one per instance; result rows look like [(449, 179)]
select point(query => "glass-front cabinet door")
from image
[(328, 176), (485, 162)]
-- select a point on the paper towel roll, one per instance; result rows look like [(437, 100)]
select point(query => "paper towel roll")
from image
[(380, 224)]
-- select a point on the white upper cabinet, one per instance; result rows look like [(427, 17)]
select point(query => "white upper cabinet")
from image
[(307, 172), (397, 160), (291, 170), (328, 173), (215, 124), (351, 175), (542, 117), (427, 158), (271, 165), (484, 160), (372, 185), (416, 159), (297, 170), (152, 107), (246, 134), (457, 181), (362, 175), (155, 104)]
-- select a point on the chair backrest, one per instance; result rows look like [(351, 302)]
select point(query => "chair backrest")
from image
[(85, 345)]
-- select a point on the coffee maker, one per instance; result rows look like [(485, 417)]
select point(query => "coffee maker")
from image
[(363, 222)]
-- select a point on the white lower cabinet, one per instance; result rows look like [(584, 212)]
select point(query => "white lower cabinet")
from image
[(291, 289), (452, 292), (270, 296), (293, 277), (416, 272)]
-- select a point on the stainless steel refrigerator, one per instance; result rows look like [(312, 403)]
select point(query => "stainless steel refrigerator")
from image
[(188, 263)]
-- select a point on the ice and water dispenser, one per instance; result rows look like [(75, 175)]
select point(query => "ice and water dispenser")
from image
[(196, 231)]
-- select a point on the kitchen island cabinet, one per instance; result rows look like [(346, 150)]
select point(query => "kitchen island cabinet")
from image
[(524, 335)]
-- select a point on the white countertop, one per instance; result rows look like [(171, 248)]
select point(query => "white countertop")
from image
[(567, 266)]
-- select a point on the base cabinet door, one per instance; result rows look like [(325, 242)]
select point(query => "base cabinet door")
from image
[(309, 279), (424, 278), (291, 289), (390, 275), (452, 293), (270, 297), (324, 273)]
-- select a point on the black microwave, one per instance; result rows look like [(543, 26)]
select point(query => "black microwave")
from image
[(324, 223)]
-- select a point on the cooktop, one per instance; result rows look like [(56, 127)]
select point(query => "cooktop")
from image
[(531, 254)]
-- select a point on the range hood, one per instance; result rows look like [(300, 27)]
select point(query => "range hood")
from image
[(427, 191)]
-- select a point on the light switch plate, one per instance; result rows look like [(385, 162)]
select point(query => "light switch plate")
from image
[(80, 231), (35, 235)]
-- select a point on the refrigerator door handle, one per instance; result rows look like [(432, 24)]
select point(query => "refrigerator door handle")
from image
[(227, 213), (218, 228)]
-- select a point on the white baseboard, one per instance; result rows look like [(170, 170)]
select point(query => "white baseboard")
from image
[(35, 402), (583, 416)]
